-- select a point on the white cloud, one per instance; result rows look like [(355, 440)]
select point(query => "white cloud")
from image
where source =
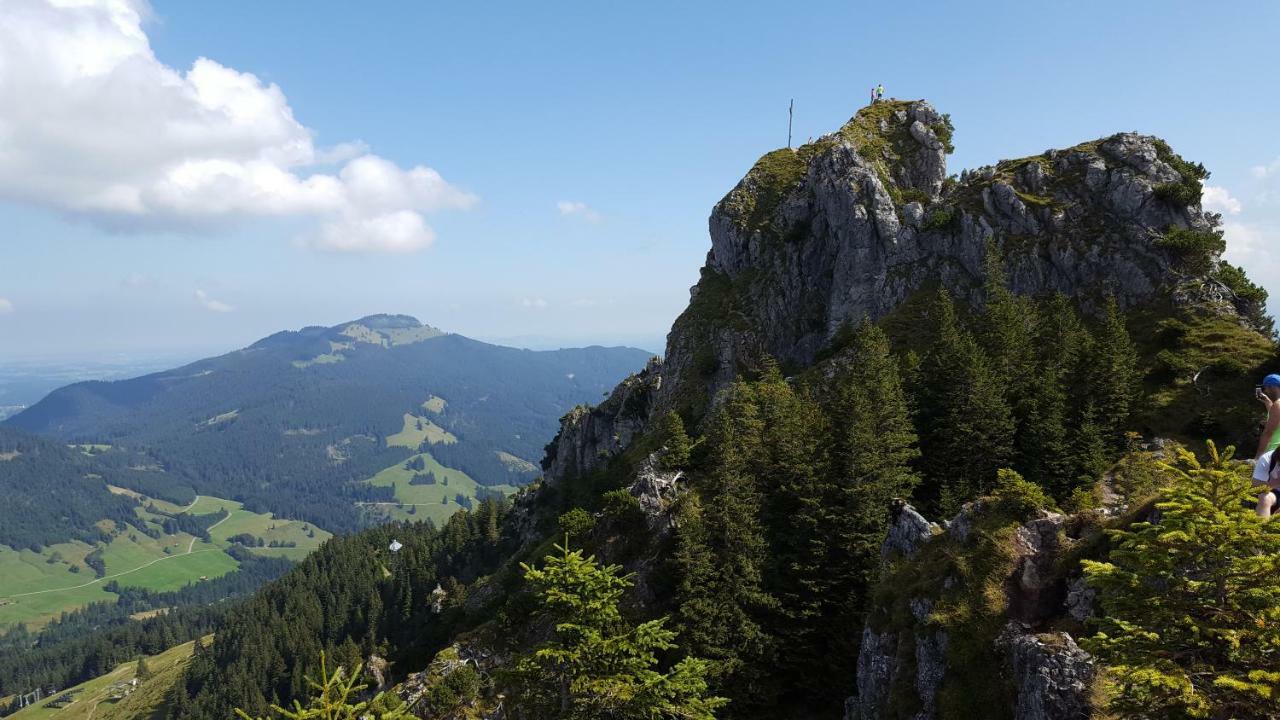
[(209, 303), (1217, 199), (1263, 171), (536, 303), (569, 208), (6, 306), (93, 125)]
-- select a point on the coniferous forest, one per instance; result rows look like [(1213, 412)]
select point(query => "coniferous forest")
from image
[(988, 442), (775, 553)]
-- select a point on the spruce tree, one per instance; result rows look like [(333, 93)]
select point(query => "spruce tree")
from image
[(1114, 376), (142, 672), (334, 697), (792, 471), (721, 555), (1191, 627), (967, 429), (873, 445), (597, 665), (1007, 328), (675, 442), (1047, 441)]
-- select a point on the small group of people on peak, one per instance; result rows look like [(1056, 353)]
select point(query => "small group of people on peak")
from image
[(1266, 468), (877, 94)]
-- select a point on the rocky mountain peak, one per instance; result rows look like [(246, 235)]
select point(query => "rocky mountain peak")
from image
[(866, 223)]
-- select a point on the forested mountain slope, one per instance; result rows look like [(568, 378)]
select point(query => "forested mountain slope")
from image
[(297, 422), (866, 330)]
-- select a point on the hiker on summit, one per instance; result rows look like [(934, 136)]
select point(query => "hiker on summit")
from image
[(880, 91), (1266, 472)]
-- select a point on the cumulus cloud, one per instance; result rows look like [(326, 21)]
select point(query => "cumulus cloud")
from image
[(1217, 199), (1248, 245), (6, 306), (210, 304), (1269, 170), (535, 303), (574, 208), (93, 125)]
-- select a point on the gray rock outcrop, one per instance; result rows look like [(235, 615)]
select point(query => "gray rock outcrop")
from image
[(1050, 676)]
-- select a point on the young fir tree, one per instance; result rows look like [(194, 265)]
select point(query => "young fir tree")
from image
[(333, 697), (597, 665), (721, 554), (141, 671), (967, 429), (675, 442), (1114, 377), (1191, 627)]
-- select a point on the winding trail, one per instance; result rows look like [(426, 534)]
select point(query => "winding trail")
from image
[(190, 551), (109, 577), (192, 544)]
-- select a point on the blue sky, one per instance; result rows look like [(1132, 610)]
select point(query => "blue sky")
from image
[(579, 148)]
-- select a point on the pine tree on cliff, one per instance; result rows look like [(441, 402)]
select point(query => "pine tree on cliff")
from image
[(674, 441), (1043, 441), (792, 469), (721, 554), (1191, 621), (1115, 375), (596, 664), (873, 445), (966, 426), (1006, 330)]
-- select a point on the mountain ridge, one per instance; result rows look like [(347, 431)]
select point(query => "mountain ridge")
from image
[(333, 397)]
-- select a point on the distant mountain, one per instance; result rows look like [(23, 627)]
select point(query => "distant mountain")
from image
[(296, 423)]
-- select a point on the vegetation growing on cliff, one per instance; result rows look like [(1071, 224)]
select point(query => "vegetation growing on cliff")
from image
[(1191, 601), (596, 664)]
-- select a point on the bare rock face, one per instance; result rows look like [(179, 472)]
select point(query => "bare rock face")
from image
[(1049, 674), (855, 223), (860, 221), (590, 436)]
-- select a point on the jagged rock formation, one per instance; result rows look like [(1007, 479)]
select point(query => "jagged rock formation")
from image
[(590, 435), (866, 223), (903, 662), (860, 222)]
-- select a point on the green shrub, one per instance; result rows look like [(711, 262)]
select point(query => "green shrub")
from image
[(1187, 190), (577, 522), (1193, 251), (944, 130), (1017, 498), (939, 219), (1191, 622), (910, 195)]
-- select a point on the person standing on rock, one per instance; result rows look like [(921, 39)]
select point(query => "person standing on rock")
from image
[(873, 94), (1269, 394), (880, 92)]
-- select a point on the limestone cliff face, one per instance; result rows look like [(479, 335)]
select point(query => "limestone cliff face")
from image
[(860, 222), (934, 621), (856, 223)]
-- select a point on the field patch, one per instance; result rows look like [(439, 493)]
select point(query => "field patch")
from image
[(418, 430), (224, 417), (325, 359), (434, 502), (435, 404), (37, 587), (114, 695), (515, 464)]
